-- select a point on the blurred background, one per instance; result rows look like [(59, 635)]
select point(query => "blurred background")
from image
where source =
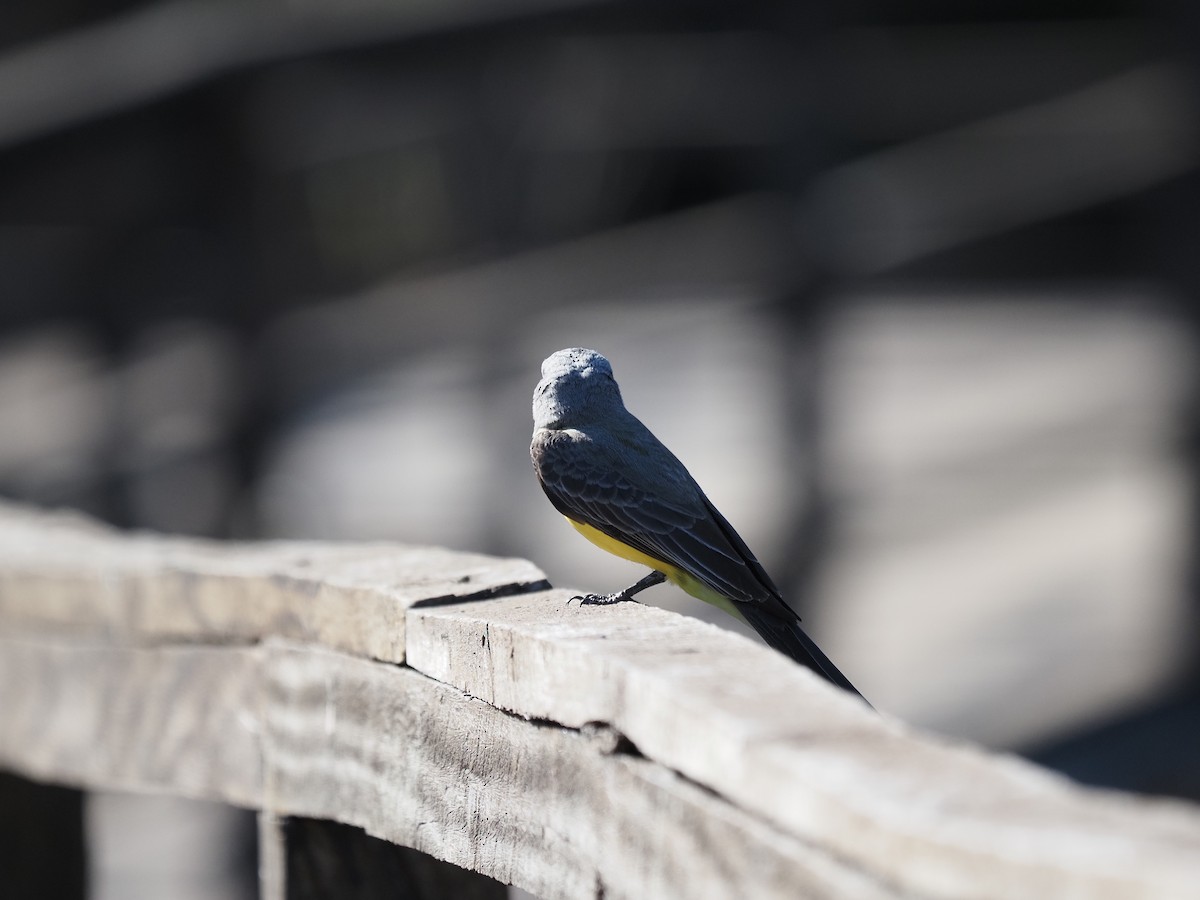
[(912, 288)]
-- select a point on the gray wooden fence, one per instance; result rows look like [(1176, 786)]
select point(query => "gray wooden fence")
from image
[(454, 704)]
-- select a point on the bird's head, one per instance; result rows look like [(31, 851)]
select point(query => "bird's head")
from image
[(576, 383)]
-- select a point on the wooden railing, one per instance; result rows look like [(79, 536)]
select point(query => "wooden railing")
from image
[(454, 704)]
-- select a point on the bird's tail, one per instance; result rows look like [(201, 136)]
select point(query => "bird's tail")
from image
[(786, 636)]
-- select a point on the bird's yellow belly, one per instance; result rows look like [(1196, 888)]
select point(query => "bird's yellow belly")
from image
[(674, 574)]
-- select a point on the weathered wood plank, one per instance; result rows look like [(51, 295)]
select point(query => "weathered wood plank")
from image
[(916, 811), (750, 777), (302, 731), (63, 572), (549, 809), (181, 720)]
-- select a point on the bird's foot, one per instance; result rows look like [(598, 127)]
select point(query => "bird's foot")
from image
[(601, 599)]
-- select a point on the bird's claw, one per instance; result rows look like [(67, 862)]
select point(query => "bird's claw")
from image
[(599, 599)]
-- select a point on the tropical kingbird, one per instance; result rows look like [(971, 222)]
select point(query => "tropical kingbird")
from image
[(627, 493)]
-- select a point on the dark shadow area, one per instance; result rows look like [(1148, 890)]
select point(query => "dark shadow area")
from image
[(332, 861), (1152, 751), (42, 849)]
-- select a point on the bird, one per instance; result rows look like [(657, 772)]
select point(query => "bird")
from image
[(624, 491)]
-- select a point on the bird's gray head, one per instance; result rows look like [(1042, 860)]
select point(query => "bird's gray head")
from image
[(576, 384)]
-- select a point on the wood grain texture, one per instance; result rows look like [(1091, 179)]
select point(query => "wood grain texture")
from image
[(622, 751), (549, 809), (66, 573), (304, 731), (918, 812), (179, 720)]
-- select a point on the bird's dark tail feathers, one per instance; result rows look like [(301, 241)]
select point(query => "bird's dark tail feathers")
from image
[(786, 636)]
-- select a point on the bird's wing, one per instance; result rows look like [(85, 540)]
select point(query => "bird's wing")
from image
[(646, 499)]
